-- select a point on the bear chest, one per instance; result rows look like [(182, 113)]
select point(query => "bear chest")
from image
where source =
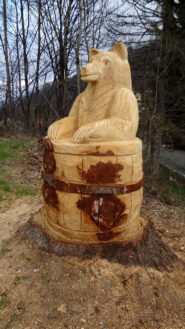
[(95, 109)]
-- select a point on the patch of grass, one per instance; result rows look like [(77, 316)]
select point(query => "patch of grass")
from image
[(22, 256), (17, 279), (21, 191), (45, 277), (9, 148), (4, 300), (14, 317), (167, 184), (175, 191), (5, 185), (4, 248), (26, 277), (2, 197), (19, 242), (54, 308), (20, 306), (2, 171)]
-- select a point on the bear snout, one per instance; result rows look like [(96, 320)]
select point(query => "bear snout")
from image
[(83, 70), (89, 72)]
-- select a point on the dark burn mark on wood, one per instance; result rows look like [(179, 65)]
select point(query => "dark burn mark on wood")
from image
[(108, 152), (55, 183), (101, 173), (106, 236), (50, 195), (106, 211), (90, 188), (47, 145), (111, 211), (49, 162), (150, 250), (132, 187)]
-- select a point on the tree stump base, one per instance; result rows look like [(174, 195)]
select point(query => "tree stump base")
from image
[(92, 193), (148, 251)]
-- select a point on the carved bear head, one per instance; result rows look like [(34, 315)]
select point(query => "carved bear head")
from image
[(108, 67)]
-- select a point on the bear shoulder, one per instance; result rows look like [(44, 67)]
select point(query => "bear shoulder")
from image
[(124, 103)]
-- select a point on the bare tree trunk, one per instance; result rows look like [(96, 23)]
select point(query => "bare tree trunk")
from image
[(9, 91), (18, 59), (64, 57), (85, 24), (25, 60), (37, 101), (78, 46)]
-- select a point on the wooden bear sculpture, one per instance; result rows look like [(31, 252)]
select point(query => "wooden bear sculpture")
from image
[(107, 109), (92, 162), (92, 177)]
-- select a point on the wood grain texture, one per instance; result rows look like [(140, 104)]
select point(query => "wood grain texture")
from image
[(92, 161), (127, 235), (148, 250), (97, 217), (128, 147), (107, 109)]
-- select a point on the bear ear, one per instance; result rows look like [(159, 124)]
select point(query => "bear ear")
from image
[(93, 52), (120, 49)]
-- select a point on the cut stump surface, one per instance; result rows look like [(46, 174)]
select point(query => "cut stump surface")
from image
[(149, 251)]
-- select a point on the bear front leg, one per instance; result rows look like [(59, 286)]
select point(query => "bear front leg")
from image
[(104, 130), (62, 128)]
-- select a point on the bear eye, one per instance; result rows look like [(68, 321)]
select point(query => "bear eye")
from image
[(106, 61)]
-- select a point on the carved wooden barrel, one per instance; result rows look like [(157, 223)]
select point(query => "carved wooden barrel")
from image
[(92, 193)]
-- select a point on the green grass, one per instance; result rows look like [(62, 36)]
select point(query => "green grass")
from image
[(45, 277), (6, 188), (21, 191), (2, 197), (168, 185), (17, 279), (4, 300), (174, 191), (14, 317), (4, 248), (4, 185), (10, 148), (22, 256)]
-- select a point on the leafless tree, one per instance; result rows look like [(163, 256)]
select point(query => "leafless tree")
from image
[(148, 27), (5, 47)]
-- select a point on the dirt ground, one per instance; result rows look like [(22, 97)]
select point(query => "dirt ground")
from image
[(45, 291)]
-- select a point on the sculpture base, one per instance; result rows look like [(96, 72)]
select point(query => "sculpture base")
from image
[(149, 250), (130, 233), (93, 197)]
